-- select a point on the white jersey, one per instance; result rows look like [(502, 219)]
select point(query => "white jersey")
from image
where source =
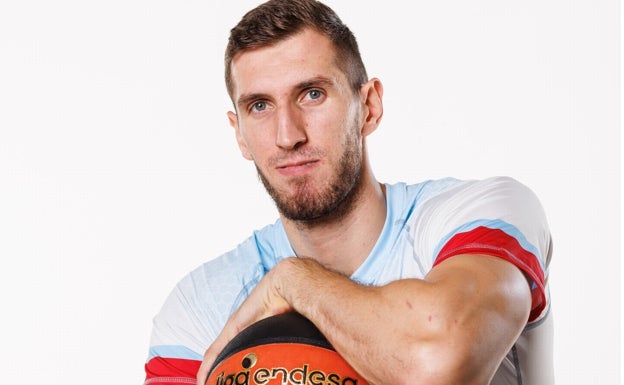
[(426, 223)]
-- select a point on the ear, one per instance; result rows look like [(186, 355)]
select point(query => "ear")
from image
[(242, 145), (371, 95)]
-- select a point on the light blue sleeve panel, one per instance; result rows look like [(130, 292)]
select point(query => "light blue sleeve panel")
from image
[(198, 307)]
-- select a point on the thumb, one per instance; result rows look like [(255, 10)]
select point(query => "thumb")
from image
[(209, 358)]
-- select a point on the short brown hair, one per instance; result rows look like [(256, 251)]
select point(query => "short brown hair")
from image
[(276, 20)]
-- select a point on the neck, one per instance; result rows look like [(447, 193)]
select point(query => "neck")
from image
[(343, 243)]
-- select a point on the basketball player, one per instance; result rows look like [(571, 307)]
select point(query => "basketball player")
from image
[(441, 282)]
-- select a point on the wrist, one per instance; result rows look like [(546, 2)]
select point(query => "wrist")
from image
[(296, 280)]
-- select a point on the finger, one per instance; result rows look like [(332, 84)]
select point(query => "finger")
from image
[(229, 331), (209, 357), (261, 303)]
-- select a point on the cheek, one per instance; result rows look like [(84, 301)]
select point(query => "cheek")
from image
[(259, 148), (351, 129), (329, 126)]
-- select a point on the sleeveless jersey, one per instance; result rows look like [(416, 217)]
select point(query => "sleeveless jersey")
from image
[(426, 223)]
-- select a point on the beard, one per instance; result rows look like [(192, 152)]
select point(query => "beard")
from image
[(330, 201)]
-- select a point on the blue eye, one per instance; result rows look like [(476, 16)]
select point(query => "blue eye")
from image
[(314, 94), (259, 106)]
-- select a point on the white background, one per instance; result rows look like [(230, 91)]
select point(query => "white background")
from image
[(119, 172)]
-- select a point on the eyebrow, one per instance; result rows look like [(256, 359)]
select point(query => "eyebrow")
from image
[(245, 99), (314, 82), (318, 81)]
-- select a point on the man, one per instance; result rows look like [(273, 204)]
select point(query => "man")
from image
[(442, 282)]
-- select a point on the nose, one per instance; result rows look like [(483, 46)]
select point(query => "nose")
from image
[(290, 128)]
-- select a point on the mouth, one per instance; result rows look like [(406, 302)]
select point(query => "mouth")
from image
[(297, 168)]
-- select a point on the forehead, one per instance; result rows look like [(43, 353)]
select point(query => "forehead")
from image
[(305, 55)]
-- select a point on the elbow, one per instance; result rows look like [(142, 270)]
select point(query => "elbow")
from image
[(448, 355), (440, 363)]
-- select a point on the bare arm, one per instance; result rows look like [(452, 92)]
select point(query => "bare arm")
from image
[(455, 326)]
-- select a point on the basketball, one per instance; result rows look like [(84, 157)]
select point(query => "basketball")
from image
[(286, 349)]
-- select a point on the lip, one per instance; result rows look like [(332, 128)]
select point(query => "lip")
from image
[(296, 168)]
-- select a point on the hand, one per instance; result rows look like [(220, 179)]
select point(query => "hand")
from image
[(264, 301)]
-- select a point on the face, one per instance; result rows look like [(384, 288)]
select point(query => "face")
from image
[(301, 124)]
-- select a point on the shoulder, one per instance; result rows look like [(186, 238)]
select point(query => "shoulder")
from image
[(449, 192), (203, 299), (434, 187), (231, 275), (456, 195), (449, 209)]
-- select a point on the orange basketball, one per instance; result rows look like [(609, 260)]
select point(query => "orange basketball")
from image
[(285, 349)]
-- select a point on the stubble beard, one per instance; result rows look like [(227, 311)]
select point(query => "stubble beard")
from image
[(311, 205)]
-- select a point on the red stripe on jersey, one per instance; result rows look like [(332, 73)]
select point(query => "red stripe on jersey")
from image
[(171, 371), (495, 242)]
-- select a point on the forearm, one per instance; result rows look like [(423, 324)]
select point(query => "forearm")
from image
[(358, 320), (410, 331)]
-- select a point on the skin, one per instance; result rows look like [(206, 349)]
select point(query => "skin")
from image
[(295, 115)]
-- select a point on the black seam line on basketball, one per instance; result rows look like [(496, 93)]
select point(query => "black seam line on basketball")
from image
[(265, 341)]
